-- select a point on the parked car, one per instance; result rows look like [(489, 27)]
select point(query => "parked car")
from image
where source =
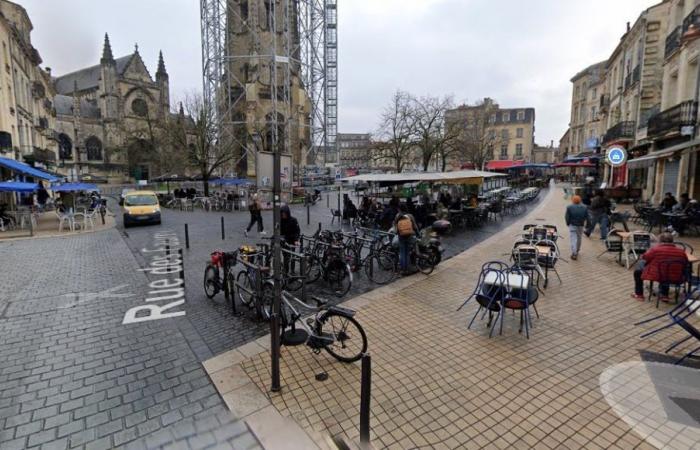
[(141, 207)]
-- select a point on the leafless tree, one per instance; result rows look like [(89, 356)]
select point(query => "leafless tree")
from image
[(477, 139), (432, 135), (396, 133), (199, 135)]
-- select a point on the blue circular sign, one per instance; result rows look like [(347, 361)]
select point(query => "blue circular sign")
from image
[(616, 156)]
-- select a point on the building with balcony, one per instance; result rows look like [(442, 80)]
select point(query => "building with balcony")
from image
[(633, 85), (27, 115), (587, 102), (671, 165)]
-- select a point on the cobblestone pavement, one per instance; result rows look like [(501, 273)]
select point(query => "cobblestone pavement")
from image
[(212, 320), (437, 384), (72, 376)]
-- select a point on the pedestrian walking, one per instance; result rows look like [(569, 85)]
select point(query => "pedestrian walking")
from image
[(598, 215), (576, 215), (255, 215)]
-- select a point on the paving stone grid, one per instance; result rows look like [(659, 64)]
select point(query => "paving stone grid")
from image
[(71, 376), (437, 384), (212, 320)]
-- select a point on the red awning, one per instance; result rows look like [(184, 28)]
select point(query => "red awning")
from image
[(502, 164)]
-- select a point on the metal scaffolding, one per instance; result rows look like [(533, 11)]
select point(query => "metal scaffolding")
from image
[(298, 40)]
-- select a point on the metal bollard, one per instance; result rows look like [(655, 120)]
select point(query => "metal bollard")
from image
[(182, 266), (328, 200), (275, 353), (187, 237), (167, 246), (303, 277), (365, 395), (223, 235), (308, 213)]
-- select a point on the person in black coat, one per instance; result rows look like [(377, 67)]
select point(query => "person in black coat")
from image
[(291, 233)]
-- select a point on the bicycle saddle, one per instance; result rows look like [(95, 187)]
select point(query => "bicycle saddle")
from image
[(319, 301)]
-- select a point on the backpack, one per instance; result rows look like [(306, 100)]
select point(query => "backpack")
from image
[(405, 227)]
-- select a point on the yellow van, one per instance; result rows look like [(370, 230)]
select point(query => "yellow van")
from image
[(141, 207)]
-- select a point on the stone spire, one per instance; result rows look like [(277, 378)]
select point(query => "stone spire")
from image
[(107, 56), (161, 72)]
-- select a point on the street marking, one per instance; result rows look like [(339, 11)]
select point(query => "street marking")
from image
[(163, 261)]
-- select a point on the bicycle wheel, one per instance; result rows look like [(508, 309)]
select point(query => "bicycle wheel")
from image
[(339, 277), (313, 269), (245, 288), (263, 303), (211, 281), (381, 268), (424, 263), (352, 258), (350, 339)]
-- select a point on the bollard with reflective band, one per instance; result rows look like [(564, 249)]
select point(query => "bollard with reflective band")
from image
[(182, 266)]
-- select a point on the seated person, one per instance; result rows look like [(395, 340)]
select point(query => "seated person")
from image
[(473, 201), (668, 202), (648, 267), (684, 205)]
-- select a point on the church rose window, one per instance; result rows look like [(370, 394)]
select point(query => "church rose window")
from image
[(94, 148), (139, 107)]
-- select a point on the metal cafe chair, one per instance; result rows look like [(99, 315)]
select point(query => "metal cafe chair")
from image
[(488, 294)]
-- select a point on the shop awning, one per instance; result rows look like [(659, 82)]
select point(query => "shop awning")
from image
[(26, 169), (18, 186), (650, 158), (575, 164), (431, 177), (75, 187), (502, 165), (232, 182)]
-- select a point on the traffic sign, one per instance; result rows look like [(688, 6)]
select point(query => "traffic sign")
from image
[(616, 156)]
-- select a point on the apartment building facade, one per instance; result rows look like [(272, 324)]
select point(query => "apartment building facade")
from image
[(27, 115), (586, 125), (355, 150), (647, 103), (507, 134)]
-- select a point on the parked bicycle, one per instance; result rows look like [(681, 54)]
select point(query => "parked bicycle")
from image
[(331, 328), (254, 286), (219, 270)]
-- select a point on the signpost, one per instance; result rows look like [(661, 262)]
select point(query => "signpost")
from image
[(616, 156)]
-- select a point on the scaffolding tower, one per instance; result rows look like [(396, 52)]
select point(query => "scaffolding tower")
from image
[(283, 41)]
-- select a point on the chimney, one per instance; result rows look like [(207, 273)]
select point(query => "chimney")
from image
[(628, 26), (551, 143), (48, 70)]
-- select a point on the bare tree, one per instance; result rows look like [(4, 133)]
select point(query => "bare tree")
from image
[(432, 135), (396, 133), (148, 140), (199, 134), (476, 136)]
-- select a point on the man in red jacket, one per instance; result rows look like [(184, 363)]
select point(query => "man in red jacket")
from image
[(649, 266)]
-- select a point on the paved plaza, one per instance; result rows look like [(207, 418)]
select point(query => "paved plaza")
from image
[(437, 384), (74, 376)]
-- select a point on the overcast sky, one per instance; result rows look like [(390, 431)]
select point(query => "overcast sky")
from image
[(521, 53)]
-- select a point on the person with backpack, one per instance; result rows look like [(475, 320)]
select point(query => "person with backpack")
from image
[(255, 215), (406, 231)]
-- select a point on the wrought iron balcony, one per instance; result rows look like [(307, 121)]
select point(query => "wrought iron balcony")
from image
[(673, 41), (621, 130), (672, 119), (692, 18)]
